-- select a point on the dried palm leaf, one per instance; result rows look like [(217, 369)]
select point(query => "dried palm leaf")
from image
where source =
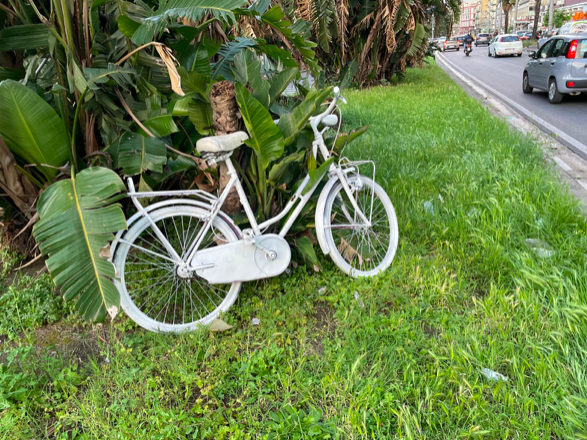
[(342, 15)]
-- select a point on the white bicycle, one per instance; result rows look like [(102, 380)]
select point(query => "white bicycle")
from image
[(181, 261)]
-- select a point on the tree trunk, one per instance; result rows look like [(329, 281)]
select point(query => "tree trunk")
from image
[(507, 16), (226, 120), (12, 182), (536, 15)]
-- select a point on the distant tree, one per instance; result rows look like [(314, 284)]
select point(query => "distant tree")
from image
[(536, 15), (507, 6), (560, 18)]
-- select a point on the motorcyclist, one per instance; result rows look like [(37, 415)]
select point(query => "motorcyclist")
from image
[(468, 39), (468, 43)]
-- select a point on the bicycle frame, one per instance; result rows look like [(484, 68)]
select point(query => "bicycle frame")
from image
[(216, 203)]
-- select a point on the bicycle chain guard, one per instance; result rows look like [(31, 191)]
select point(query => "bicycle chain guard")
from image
[(267, 257)]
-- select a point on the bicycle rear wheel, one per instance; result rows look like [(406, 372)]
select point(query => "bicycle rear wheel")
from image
[(152, 293), (358, 250)]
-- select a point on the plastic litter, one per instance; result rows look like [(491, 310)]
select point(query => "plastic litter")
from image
[(256, 321), (321, 290), (493, 375), (429, 207), (540, 248), (358, 298)]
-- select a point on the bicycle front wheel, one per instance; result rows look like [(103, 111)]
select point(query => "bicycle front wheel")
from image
[(153, 293), (357, 249)]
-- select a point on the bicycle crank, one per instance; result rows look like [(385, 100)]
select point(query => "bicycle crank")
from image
[(267, 256)]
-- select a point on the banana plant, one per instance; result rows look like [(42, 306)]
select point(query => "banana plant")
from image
[(32, 131), (78, 219)]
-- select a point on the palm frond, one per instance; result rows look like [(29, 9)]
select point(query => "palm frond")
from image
[(180, 10)]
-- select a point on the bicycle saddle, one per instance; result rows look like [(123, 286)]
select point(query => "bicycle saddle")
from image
[(222, 143)]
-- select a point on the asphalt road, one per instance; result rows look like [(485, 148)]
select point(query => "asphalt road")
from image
[(505, 76)]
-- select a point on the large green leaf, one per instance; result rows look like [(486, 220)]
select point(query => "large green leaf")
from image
[(196, 59), (278, 83), (28, 36), (418, 40), (227, 53), (344, 138), (247, 70), (137, 154), (200, 114), (8, 73), (291, 123), (194, 81), (193, 10), (306, 248), (160, 126), (279, 170), (127, 25), (275, 18), (77, 220), (265, 137), (317, 174), (31, 128)]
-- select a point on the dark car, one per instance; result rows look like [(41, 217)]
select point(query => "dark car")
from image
[(559, 67), (461, 39), (483, 39)]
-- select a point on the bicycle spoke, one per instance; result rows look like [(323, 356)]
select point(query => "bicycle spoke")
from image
[(151, 280)]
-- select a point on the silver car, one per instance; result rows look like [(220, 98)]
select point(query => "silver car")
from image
[(559, 67)]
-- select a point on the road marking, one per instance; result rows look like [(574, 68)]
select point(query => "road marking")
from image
[(562, 164), (572, 143)]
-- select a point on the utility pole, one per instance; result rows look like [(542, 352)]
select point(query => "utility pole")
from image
[(550, 17)]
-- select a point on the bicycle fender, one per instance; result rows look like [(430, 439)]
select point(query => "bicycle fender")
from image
[(320, 207)]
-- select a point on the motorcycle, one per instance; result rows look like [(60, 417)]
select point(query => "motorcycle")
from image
[(468, 48)]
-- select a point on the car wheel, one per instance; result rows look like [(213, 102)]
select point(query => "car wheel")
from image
[(554, 96), (520, 54), (488, 53), (526, 84)]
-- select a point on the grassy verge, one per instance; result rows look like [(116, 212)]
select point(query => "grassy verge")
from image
[(532, 44), (465, 293)]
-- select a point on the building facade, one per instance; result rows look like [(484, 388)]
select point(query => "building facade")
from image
[(482, 16), (467, 19)]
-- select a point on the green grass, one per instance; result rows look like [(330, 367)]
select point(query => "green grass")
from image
[(464, 293), (533, 44)]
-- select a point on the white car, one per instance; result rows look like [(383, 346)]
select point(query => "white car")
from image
[(507, 44)]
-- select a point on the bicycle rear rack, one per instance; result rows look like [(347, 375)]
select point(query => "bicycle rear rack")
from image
[(203, 195), (349, 167)]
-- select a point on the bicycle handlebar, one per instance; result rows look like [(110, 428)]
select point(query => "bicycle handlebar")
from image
[(315, 120)]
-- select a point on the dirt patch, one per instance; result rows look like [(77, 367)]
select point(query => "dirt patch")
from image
[(431, 332), (75, 343), (324, 326)]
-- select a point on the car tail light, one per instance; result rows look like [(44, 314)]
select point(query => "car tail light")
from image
[(571, 84), (572, 53)]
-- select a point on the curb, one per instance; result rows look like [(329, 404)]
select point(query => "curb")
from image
[(574, 145)]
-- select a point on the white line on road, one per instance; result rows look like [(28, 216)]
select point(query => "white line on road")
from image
[(561, 163), (572, 143)]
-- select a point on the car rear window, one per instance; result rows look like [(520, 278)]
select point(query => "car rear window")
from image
[(484, 35), (454, 39), (509, 38)]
